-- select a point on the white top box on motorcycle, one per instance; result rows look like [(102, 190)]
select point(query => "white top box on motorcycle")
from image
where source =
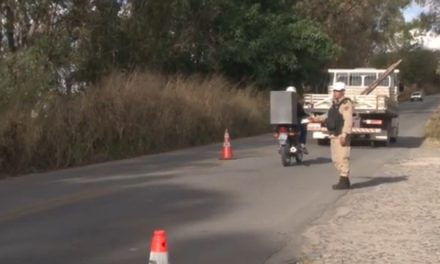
[(283, 108)]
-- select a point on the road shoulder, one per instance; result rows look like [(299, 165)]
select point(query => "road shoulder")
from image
[(397, 221)]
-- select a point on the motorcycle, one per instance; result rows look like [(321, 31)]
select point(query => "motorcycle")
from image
[(290, 148)]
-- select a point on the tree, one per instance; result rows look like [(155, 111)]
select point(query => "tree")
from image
[(359, 27), (277, 48), (273, 43), (430, 19), (262, 41)]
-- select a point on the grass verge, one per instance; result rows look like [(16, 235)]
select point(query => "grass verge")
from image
[(126, 116), (432, 129)]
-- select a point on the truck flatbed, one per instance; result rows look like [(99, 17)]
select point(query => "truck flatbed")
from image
[(366, 104), (374, 93)]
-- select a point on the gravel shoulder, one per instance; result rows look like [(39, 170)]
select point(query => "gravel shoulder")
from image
[(397, 221)]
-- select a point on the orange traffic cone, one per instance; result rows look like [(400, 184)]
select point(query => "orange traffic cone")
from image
[(227, 148), (159, 248)]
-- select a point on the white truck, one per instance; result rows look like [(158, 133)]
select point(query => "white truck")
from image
[(374, 93)]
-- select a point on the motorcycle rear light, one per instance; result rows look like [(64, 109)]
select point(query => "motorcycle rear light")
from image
[(283, 129)]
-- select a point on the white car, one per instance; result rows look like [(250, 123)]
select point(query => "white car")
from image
[(416, 96)]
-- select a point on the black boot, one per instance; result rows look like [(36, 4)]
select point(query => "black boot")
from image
[(343, 184)]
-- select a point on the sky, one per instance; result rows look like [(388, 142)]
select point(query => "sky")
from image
[(413, 11), (430, 40)]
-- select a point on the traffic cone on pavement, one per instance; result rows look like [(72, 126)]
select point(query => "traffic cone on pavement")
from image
[(227, 148), (159, 248)]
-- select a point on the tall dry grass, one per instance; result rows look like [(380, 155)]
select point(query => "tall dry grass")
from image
[(125, 116), (432, 130)]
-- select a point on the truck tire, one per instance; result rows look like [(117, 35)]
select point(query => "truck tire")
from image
[(393, 139), (323, 142), (387, 142)]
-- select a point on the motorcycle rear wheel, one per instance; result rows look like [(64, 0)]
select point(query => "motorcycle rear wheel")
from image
[(285, 155), (299, 157)]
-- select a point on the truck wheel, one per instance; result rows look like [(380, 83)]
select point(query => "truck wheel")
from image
[(387, 142), (393, 139), (323, 142)]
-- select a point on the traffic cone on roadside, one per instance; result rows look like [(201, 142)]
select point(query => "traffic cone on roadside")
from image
[(227, 148), (159, 248)]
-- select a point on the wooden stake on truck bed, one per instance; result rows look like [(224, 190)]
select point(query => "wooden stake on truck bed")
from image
[(382, 77)]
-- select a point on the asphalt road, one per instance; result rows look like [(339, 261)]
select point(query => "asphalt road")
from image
[(249, 210)]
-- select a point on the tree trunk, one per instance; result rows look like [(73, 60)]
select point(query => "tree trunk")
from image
[(9, 26)]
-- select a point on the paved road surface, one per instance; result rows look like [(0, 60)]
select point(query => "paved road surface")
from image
[(250, 210)]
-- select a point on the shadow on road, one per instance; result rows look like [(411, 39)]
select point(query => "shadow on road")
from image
[(205, 248), (375, 181), (402, 142), (316, 161), (206, 156), (104, 229), (408, 142)]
